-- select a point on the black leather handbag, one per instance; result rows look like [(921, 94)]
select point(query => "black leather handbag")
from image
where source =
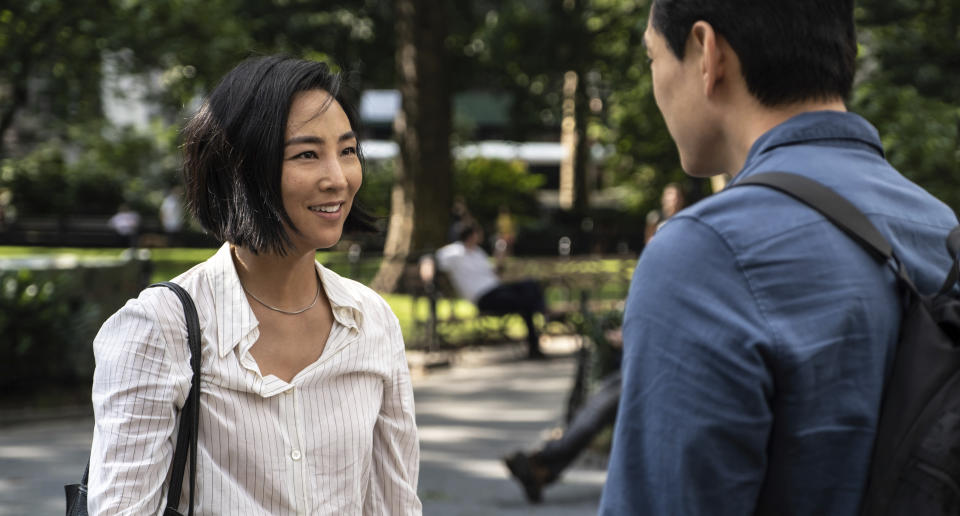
[(186, 436)]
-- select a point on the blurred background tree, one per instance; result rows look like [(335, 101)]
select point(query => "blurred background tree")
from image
[(421, 196), (62, 154), (907, 87)]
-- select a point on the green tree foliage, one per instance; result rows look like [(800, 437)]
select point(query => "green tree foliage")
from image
[(909, 71), (51, 58), (39, 314), (526, 46), (49, 63), (641, 157), (107, 169), (913, 43), (487, 184), (49, 315), (63, 157), (194, 42)]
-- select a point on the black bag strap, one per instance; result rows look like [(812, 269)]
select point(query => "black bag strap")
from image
[(838, 210), (190, 413)]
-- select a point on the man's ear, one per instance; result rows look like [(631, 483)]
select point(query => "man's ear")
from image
[(712, 53)]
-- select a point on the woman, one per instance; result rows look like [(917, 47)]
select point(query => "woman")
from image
[(306, 405)]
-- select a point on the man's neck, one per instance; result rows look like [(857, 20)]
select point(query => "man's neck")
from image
[(745, 130)]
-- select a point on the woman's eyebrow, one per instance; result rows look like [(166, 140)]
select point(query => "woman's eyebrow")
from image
[(317, 140)]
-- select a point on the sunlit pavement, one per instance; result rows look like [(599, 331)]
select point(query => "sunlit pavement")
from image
[(37, 459), (479, 410), (485, 405)]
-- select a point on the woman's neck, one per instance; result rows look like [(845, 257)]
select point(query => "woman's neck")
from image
[(285, 281)]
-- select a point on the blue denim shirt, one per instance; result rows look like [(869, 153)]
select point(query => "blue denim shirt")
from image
[(757, 336)]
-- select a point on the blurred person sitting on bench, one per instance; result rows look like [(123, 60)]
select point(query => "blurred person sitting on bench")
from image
[(469, 269)]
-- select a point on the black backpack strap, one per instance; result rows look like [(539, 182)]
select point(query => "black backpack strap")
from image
[(190, 413), (838, 210)]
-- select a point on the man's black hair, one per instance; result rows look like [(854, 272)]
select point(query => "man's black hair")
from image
[(233, 149), (790, 50), (467, 229)]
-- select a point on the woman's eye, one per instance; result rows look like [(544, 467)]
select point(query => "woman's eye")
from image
[(305, 155), (348, 151)]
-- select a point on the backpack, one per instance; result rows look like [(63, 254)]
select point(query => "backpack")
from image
[(915, 466)]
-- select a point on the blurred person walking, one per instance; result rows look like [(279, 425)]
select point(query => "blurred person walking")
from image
[(171, 211), (126, 223), (671, 202)]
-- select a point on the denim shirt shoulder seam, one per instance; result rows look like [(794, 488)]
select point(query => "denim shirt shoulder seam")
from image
[(776, 341)]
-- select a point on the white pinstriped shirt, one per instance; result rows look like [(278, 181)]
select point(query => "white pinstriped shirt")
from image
[(339, 439)]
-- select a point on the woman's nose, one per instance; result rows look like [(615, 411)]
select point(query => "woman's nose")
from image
[(333, 176)]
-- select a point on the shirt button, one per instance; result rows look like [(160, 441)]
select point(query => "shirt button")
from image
[(295, 455)]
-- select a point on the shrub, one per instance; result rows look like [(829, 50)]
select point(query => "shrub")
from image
[(49, 314), (97, 171), (487, 184)]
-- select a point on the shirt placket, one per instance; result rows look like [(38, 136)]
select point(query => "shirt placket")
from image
[(301, 463), (292, 417)]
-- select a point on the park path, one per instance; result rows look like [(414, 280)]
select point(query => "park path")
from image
[(488, 403)]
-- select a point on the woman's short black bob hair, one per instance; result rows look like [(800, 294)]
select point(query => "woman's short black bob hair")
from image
[(233, 151)]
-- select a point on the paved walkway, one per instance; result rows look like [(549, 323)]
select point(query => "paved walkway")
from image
[(487, 404)]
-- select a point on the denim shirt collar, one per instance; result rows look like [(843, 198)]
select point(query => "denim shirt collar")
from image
[(813, 126)]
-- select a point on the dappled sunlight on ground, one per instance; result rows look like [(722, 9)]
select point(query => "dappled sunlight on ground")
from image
[(489, 404)]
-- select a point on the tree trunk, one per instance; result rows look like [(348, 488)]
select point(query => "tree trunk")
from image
[(580, 41), (581, 156), (421, 198), (18, 98)]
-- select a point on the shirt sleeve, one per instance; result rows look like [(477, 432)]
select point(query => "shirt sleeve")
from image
[(694, 416), (396, 446), (445, 256), (135, 400)]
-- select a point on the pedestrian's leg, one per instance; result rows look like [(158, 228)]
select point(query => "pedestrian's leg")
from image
[(533, 337), (599, 411), (536, 470), (524, 298)]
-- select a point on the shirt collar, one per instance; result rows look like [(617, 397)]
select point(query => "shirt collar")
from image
[(343, 301), (813, 126), (235, 320), (236, 323)]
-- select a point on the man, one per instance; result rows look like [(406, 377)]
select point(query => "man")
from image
[(757, 336), (474, 278)]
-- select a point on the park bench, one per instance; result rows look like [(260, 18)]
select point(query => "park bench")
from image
[(573, 287)]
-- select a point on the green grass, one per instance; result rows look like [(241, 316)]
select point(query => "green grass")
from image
[(17, 251), (168, 254)]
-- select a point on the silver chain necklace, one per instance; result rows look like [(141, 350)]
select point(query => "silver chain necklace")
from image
[(275, 309)]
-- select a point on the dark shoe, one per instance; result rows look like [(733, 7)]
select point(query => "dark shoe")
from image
[(536, 354), (523, 471)]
